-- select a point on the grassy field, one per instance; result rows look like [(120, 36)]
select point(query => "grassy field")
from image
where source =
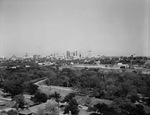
[(63, 91)]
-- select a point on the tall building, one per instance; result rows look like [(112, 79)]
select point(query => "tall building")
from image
[(68, 54), (76, 53), (36, 56), (89, 54), (26, 56)]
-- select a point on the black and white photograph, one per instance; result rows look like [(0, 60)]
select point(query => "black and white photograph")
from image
[(74, 57)]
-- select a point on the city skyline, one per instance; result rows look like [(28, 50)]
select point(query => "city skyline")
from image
[(105, 27), (69, 54)]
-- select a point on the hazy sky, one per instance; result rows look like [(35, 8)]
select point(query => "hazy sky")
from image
[(106, 27)]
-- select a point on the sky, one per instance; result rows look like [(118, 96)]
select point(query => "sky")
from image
[(105, 27)]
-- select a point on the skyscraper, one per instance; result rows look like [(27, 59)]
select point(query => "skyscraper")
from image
[(89, 54), (68, 54)]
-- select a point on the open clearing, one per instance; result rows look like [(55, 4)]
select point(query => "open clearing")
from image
[(63, 91)]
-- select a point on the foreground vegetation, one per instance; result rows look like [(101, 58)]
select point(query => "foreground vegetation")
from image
[(128, 90)]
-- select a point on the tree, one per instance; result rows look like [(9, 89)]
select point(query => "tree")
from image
[(68, 97), (3, 113), (40, 97), (51, 107), (147, 64), (134, 98), (56, 96), (14, 87), (31, 88), (125, 107), (12, 112), (105, 109), (20, 101), (72, 106)]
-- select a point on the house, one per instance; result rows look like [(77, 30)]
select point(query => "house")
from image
[(121, 65), (45, 107), (25, 112), (35, 109)]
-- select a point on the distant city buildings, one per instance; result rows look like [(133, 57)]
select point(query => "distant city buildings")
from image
[(74, 59), (73, 55), (13, 58), (36, 56), (26, 55), (65, 56)]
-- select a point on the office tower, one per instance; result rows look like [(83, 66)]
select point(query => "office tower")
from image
[(68, 54)]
